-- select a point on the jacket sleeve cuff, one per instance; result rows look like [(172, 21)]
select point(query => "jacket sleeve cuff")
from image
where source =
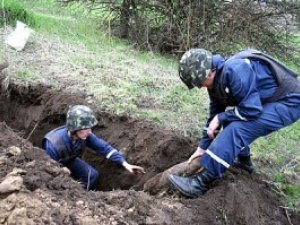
[(122, 161), (222, 117), (204, 144)]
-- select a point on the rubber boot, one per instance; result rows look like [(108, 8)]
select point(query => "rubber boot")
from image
[(244, 162), (193, 186)]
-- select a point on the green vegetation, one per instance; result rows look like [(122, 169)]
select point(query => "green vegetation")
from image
[(293, 66), (145, 85), (12, 11), (290, 192), (27, 75)]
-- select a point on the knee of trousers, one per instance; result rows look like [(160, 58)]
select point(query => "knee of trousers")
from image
[(232, 141), (94, 177), (223, 150)]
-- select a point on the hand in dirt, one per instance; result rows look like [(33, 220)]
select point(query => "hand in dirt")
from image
[(213, 126), (199, 152), (133, 168)]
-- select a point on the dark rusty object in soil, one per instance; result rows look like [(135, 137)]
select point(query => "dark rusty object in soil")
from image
[(160, 181)]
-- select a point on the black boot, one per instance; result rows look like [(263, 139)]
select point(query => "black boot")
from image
[(244, 162), (193, 186)]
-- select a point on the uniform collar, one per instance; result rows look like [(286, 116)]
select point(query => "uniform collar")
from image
[(218, 62)]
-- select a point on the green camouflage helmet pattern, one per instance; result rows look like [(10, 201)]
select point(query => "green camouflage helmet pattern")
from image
[(194, 67), (80, 117)]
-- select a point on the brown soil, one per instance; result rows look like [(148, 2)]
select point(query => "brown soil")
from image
[(36, 190)]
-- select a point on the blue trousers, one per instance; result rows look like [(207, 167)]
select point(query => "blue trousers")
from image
[(87, 175), (238, 135)]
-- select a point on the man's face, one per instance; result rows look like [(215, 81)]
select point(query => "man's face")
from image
[(209, 81), (83, 134)]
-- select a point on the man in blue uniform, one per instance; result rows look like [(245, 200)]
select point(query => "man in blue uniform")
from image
[(264, 95), (65, 145)]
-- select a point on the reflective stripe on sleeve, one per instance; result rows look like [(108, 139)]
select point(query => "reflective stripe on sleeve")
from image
[(237, 113), (247, 61), (111, 153), (217, 158)]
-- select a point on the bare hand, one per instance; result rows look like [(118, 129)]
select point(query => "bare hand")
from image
[(213, 127), (133, 168), (199, 152)]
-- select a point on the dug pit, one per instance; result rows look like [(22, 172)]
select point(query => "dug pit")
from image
[(34, 111)]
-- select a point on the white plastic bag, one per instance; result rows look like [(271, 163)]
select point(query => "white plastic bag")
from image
[(19, 37)]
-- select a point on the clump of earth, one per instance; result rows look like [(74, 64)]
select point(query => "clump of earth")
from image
[(36, 190)]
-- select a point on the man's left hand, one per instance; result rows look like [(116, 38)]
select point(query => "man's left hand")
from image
[(213, 127)]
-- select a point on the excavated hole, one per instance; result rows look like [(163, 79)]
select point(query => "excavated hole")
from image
[(34, 110)]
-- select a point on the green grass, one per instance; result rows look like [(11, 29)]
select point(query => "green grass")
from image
[(290, 192), (142, 84), (14, 10), (29, 75), (296, 42)]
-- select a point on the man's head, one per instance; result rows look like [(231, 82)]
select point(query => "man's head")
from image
[(80, 118), (195, 66)]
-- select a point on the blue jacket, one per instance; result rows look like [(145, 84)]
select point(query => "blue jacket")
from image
[(248, 82), (60, 147)]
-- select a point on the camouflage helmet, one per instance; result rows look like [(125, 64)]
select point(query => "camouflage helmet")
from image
[(80, 117), (194, 67)]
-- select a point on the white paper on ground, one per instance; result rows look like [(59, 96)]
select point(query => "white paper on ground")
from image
[(19, 37)]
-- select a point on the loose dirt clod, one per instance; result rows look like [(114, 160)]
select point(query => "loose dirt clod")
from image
[(11, 183)]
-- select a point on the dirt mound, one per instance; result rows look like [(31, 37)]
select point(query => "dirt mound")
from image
[(35, 190)]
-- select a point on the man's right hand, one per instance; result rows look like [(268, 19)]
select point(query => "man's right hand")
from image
[(133, 168), (199, 152)]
